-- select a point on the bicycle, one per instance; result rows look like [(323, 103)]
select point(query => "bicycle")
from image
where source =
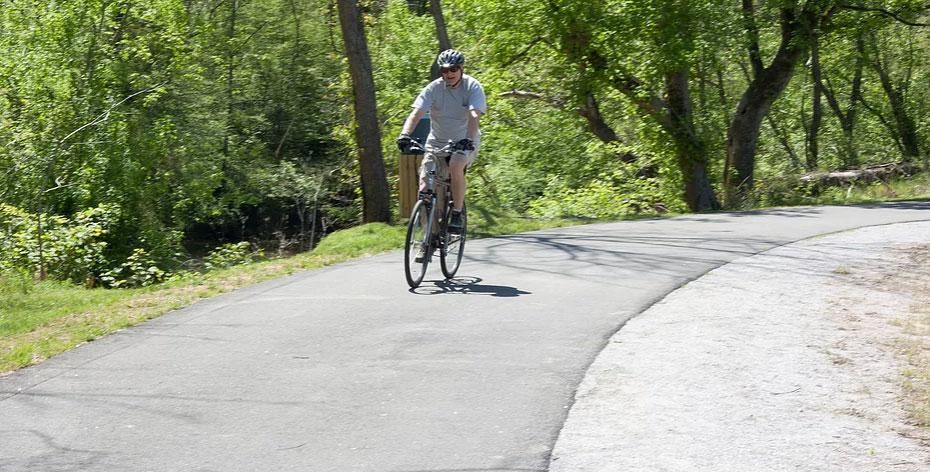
[(422, 222)]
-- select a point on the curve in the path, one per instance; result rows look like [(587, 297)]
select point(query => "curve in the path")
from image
[(344, 369)]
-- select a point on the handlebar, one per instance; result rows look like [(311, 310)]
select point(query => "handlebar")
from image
[(415, 148), (452, 147)]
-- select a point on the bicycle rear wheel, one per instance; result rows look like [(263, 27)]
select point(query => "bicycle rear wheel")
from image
[(453, 246), (417, 239)]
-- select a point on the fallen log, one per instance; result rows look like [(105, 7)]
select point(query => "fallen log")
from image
[(873, 173)]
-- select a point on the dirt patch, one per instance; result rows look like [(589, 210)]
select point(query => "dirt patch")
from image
[(884, 303), (909, 273), (812, 356)]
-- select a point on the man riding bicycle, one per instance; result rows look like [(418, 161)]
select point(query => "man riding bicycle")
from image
[(455, 103)]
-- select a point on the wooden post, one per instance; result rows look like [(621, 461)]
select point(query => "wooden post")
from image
[(409, 174), (409, 182)]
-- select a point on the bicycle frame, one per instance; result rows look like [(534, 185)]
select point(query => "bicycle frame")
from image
[(431, 197)]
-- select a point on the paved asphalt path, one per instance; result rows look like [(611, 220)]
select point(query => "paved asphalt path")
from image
[(344, 369)]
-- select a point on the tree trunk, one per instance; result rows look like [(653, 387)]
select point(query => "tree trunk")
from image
[(785, 141), (855, 96), (763, 90), (907, 128), (591, 112), (442, 34), (783, 136), (813, 131), (675, 116), (230, 74), (435, 7), (752, 37), (848, 119), (375, 193), (690, 151)]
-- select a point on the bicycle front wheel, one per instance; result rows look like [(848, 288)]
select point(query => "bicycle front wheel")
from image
[(417, 244), (450, 257)]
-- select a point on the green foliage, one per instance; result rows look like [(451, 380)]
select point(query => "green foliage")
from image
[(403, 49), (170, 110), (609, 196), (787, 190), (69, 249), (231, 254), (517, 161), (139, 270)]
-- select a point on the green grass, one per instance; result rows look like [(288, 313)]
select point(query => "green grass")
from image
[(41, 319), (783, 192), (914, 345), (914, 188), (24, 306), (362, 240)]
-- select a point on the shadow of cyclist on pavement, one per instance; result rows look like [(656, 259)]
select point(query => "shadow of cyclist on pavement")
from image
[(469, 286)]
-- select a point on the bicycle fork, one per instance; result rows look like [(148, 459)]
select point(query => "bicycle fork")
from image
[(429, 242), (429, 196)]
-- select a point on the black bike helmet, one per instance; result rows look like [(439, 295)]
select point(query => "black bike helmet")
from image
[(450, 57)]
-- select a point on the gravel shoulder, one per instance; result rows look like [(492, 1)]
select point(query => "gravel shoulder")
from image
[(791, 359)]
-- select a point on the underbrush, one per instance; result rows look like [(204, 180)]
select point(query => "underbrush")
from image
[(788, 191)]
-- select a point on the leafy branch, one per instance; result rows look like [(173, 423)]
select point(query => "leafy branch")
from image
[(103, 117), (882, 11)]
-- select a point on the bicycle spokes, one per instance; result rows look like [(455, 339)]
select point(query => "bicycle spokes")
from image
[(453, 247), (417, 245)]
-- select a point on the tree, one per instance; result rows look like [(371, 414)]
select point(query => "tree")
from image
[(902, 125), (591, 41), (813, 133), (674, 36), (848, 117), (367, 132), (232, 89), (803, 24), (798, 23), (442, 34)]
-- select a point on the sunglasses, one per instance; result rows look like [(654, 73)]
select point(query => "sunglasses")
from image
[(452, 69)]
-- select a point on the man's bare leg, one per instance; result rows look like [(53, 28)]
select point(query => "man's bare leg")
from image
[(457, 171)]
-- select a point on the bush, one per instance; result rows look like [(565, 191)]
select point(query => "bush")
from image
[(76, 249), (609, 196), (231, 254), (139, 270), (69, 249)]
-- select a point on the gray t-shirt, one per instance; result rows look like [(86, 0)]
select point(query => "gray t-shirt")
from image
[(449, 108)]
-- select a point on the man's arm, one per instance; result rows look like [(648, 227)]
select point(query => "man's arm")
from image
[(473, 117), (412, 121)]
